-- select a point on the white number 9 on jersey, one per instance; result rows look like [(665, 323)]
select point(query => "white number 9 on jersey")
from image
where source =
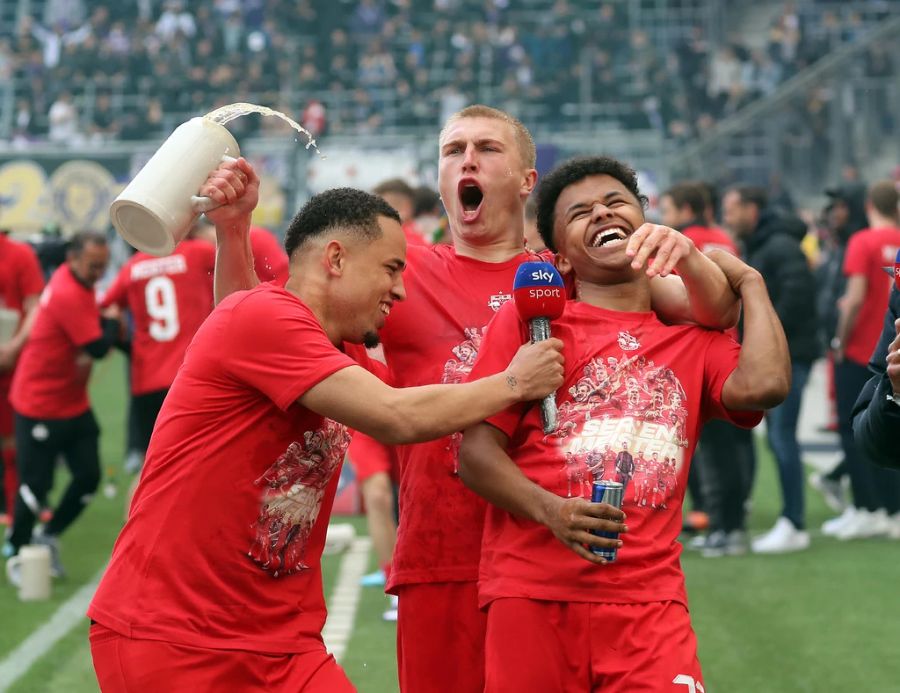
[(162, 307)]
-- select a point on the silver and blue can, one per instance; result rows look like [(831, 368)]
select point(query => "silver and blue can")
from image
[(611, 492)]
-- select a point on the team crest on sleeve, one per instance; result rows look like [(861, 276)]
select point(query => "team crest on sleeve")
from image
[(292, 492)]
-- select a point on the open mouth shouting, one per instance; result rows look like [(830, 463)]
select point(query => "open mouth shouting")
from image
[(609, 237), (471, 198)]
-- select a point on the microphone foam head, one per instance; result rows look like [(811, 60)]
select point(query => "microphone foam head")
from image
[(538, 291)]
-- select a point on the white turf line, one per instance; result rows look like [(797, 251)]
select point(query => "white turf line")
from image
[(17, 663), (341, 616), (344, 597)]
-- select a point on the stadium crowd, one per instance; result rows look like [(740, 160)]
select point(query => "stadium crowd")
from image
[(83, 69)]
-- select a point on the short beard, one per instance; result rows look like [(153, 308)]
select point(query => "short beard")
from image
[(371, 340)]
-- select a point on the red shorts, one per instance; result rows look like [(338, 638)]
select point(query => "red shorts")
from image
[(369, 457), (125, 665), (440, 638), (576, 647), (7, 430)]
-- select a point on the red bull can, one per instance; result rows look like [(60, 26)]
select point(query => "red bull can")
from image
[(610, 492)]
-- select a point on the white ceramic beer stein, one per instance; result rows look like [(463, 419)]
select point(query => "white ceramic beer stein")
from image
[(33, 565), (157, 209)]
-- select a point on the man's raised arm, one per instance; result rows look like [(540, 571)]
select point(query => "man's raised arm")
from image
[(762, 377), (234, 186), (700, 293)]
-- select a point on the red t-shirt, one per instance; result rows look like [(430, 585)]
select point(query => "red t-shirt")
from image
[(20, 277), (269, 259), (169, 298), (867, 252), (223, 544), (707, 238), (51, 377), (635, 396), (433, 337)]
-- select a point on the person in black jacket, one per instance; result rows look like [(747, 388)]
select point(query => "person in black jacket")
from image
[(876, 423), (772, 246)]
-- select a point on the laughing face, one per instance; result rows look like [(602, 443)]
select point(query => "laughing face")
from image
[(373, 283), (483, 180), (592, 221)]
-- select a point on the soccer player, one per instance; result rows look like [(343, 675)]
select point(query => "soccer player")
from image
[(21, 283), (485, 174), (49, 395), (215, 581), (270, 262), (169, 298), (559, 617)]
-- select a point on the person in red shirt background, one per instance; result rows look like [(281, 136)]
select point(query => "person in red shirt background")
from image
[(401, 196), (270, 262), (558, 616), (21, 282), (50, 399), (722, 473), (215, 581), (168, 298), (486, 172), (876, 491)]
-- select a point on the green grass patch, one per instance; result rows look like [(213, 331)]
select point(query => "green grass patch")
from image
[(827, 619)]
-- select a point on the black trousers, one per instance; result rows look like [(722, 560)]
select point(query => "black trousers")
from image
[(39, 442), (727, 460), (873, 487)]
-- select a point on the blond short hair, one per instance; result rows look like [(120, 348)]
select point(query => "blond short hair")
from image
[(523, 138)]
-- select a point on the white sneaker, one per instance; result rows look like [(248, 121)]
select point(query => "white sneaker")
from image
[(834, 493), (830, 528), (894, 526), (864, 525), (782, 538)]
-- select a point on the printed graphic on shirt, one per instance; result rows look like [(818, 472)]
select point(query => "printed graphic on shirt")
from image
[(456, 370), (293, 489), (624, 421), (497, 300)]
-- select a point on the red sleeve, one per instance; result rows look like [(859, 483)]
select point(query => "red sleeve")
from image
[(722, 355), (275, 345), (855, 257), (502, 339), (31, 279), (117, 293)]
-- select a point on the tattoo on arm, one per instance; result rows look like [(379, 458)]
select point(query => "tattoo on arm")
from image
[(512, 382)]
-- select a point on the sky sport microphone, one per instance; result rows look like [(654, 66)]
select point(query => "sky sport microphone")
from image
[(540, 297), (895, 270)]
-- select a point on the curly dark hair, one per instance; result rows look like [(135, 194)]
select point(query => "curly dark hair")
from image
[(345, 209), (571, 172)]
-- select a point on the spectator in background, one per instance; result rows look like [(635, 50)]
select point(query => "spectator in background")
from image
[(402, 197), (49, 396), (270, 262), (844, 216), (63, 118), (772, 246), (533, 240), (725, 459), (876, 492), (877, 411), (21, 282), (429, 214)]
